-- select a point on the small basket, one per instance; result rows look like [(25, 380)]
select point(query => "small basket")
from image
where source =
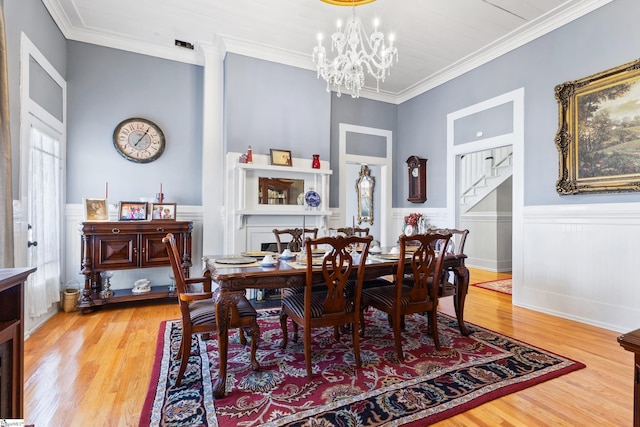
[(70, 297)]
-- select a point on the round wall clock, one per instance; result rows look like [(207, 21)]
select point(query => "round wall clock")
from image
[(139, 140)]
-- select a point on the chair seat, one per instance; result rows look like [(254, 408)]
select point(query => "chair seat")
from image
[(385, 295), (295, 303), (204, 311)]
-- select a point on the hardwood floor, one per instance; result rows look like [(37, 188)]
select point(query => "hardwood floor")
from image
[(94, 369)]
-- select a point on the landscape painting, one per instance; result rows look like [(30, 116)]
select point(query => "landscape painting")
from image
[(599, 132)]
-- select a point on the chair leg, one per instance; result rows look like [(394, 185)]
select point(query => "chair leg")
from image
[(285, 333), (184, 359), (355, 334), (307, 351), (433, 319), (179, 354), (255, 339), (243, 338), (397, 335), (295, 332)]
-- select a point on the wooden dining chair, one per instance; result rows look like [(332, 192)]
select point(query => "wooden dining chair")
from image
[(455, 247), (329, 306), (198, 311), (296, 238), (351, 231), (419, 294)]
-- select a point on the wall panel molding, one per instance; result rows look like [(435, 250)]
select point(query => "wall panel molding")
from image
[(595, 281)]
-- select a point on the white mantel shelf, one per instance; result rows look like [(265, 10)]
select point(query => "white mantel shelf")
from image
[(287, 169), (291, 211)]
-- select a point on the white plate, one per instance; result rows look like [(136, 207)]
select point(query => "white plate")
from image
[(235, 260)]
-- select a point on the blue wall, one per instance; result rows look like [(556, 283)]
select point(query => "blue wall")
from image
[(106, 86), (598, 41), (289, 108), (269, 105)]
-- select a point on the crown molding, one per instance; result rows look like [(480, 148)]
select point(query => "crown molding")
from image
[(554, 19)]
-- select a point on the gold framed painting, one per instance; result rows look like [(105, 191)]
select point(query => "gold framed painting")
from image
[(598, 136), (280, 157)]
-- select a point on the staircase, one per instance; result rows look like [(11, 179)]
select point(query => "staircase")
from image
[(481, 173)]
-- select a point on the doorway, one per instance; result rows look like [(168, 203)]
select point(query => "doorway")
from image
[(514, 101), (42, 175), (360, 145)]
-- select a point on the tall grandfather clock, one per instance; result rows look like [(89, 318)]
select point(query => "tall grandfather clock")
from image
[(417, 168)]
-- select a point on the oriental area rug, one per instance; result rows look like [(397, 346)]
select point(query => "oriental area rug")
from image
[(502, 286), (427, 387)]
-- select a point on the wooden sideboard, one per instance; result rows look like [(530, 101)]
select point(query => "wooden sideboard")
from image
[(12, 341), (631, 342), (122, 245)]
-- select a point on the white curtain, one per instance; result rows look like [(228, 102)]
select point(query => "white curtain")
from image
[(45, 210)]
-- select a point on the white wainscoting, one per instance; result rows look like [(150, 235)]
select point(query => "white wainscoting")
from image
[(488, 245), (580, 264), (74, 215)]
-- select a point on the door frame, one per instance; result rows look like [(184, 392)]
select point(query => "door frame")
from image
[(34, 114), (384, 183), (516, 140)]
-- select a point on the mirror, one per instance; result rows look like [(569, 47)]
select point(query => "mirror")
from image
[(364, 189), (280, 191)]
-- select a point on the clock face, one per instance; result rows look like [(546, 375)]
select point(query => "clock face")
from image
[(415, 172), (139, 140)]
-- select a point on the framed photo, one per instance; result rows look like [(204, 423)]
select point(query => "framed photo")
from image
[(598, 136), (132, 211), (96, 210), (163, 211), (280, 157)]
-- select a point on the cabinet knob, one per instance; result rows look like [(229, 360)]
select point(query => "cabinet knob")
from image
[(115, 230), (160, 229)]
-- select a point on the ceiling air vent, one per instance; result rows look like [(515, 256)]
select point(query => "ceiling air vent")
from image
[(185, 45)]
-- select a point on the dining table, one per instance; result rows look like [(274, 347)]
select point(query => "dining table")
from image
[(236, 273)]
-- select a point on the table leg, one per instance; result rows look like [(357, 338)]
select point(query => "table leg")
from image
[(462, 287), (223, 308)]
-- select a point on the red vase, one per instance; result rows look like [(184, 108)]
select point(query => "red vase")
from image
[(315, 163)]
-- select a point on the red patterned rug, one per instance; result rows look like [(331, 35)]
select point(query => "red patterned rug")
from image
[(427, 387), (502, 286)]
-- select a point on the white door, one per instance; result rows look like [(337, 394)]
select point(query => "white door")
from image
[(42, 165), (44, 216)]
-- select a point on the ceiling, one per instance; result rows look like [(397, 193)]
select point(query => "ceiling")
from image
[(436, 39)]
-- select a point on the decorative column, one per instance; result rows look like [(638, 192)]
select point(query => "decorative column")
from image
[(213, 156)]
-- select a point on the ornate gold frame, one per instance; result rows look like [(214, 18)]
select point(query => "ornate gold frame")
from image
[(597, 151), (365, 184)]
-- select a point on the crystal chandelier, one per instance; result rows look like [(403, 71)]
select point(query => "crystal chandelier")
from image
[(355, 53)]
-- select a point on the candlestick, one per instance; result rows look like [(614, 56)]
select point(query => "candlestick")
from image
[(353, 222), (106, 190), (303, 226), (160, 188)]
